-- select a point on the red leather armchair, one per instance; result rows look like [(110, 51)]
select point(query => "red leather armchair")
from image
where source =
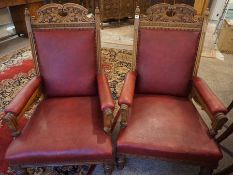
[(67, 127), (157, 111)]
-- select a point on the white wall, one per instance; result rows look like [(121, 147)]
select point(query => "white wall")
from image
[(217, 9)]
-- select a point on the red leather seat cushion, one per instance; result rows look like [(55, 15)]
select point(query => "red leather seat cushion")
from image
[(67, 61), (167, 127), (165, 61), (62, 130)]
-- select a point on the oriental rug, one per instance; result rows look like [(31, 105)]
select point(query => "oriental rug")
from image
[(17, 69)]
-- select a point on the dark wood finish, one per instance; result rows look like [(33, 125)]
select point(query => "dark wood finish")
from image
[(119, 9), (127, 8), (67, 1), (109, 9), (17, 12), (10, 3), (228, 170)]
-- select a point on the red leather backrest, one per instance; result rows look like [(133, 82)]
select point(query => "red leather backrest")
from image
[(165, 61), (67, 61)]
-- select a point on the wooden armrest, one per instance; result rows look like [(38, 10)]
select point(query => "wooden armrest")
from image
[(124, 113), (20, 104), (126, 97), (108, 120), (22, 98), (210, 103)]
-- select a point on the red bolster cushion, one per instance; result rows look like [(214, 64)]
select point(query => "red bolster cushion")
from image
[(105, 94), (21, 99), (127, 92), (212, 102)]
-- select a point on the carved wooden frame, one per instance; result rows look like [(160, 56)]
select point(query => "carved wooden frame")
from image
[(175, 17), (11, 120), (69, 16)]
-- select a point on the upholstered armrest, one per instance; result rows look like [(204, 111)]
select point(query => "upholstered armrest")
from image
[(127, 92), (126, 97), (19, 103), (211, 103), (106, 101)]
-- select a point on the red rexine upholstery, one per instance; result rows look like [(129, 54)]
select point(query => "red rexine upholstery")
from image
[(212, 102), (167, 127), (127, 92), (165, 61), (67, 61), (105, 94), (21, 99), (62, 129)]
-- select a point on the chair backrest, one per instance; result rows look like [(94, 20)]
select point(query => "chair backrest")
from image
[(65, 43), (167, 48)]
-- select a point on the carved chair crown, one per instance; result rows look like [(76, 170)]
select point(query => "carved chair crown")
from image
[(68, 18), (173, 15), (66, 13)]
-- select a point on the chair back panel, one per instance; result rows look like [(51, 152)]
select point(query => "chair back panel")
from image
[(166, 60), (67, 61), (167, 46), (65, 42)]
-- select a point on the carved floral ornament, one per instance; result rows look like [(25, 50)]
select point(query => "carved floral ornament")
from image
[(180, 13), (67, 13)]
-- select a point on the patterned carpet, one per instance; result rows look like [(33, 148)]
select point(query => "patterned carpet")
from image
[(17, 69)]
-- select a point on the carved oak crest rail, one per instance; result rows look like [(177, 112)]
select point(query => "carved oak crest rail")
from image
[(63, 16), (167, 15), (67, 13)]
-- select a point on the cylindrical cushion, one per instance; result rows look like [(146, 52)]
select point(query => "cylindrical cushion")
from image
[(127, 92), (21, 99), (212, 102), (105, 93)]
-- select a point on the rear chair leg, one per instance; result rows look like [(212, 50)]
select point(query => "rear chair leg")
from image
[(108, 168), (205, 171), (121, 161)]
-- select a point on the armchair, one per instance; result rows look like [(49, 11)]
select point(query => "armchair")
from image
[(222, 137), (71, 124), (229, 130), (158, 117)]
